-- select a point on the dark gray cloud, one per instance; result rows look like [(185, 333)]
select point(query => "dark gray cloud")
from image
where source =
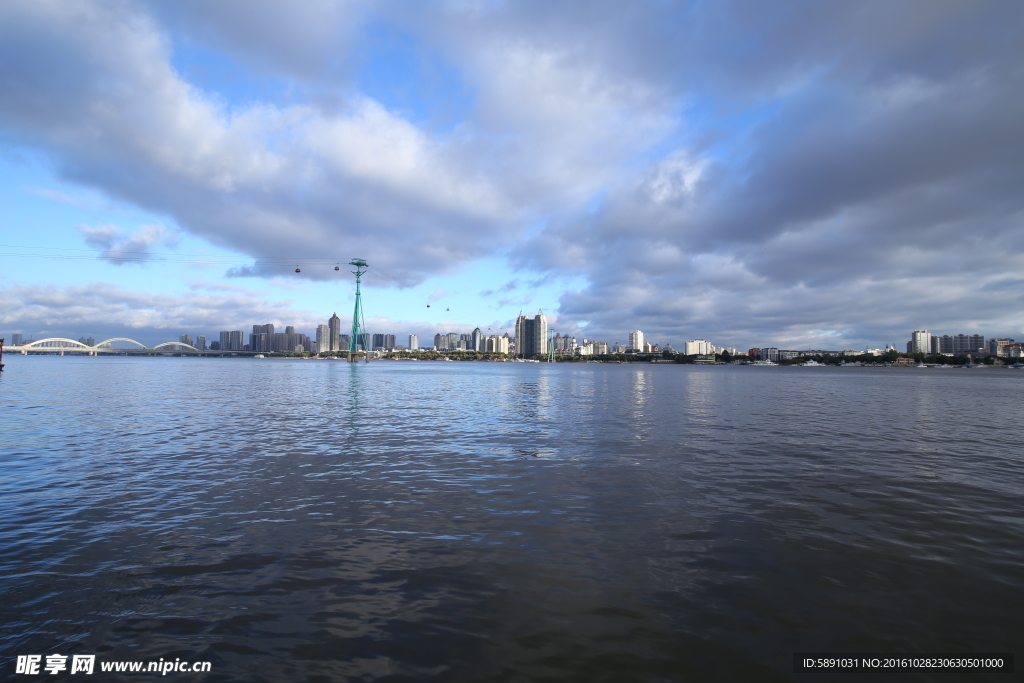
[(120, 249)]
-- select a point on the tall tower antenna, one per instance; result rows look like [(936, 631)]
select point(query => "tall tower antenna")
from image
[(551, 346), (358, 324)]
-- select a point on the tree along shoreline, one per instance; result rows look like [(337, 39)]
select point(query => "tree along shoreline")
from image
[(663, 357)]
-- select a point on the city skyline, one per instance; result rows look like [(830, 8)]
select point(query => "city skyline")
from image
[(539, 337), (850, 174)]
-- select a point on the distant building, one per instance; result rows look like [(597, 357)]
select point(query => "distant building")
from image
[(231, 341), (289, 341), (636, 340), (477, 340), (700, 347), (185, 339), (262, 337), (920, 342), (334, 327), (996, 346), (771, 353), (600, 348), (200, 343), (414, 342), (967, 343), (384, 342), (496, 344), (531, 335), (323, 338), (215, 346)]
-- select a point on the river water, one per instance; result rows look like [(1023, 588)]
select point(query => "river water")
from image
[(292, 520)]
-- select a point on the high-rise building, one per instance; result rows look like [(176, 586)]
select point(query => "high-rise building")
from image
[(334, 324), (363, 341), (185, 339), (968, 343), (477, 343), (384, 342), (262, 337), (323, 338), (636, 340), (496, 344), (201, 342), (16, 340), (288, 341), (531, 335), (414, 342), (920, 342), (231, 341)]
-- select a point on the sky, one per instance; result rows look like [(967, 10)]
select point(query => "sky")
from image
[(804, 175)]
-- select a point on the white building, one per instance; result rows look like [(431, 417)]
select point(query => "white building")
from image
[(636, 340), (414, 342), (698, 347), (920, 342), (496, 344)]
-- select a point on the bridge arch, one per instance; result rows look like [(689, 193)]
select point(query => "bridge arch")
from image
[(75, 344), (174, 343), (124, 339)]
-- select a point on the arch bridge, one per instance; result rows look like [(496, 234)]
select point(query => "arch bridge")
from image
[(62, 344)]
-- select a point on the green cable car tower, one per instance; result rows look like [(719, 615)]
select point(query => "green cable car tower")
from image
[(551, 346), (358, 324)]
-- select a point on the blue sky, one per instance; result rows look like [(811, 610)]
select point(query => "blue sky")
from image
[(799, 175)]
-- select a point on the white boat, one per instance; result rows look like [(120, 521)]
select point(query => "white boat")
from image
[(259, 355), (811, 363), (764, 362)]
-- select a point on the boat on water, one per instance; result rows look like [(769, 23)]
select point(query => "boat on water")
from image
[(764, 362), (811, 363), (259, 355)]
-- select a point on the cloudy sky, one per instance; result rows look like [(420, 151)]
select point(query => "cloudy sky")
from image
[(796, 174)]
